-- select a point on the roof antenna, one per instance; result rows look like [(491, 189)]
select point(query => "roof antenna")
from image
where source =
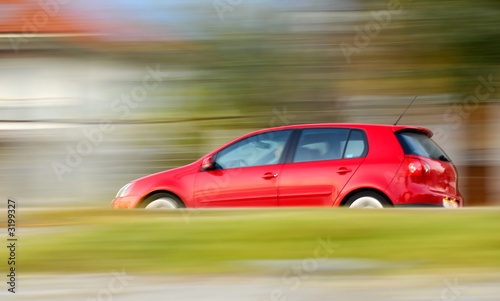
[(405, 110)]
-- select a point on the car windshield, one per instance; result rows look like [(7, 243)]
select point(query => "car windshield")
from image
[(419, 144)]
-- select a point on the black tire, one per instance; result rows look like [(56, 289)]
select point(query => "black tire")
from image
[(162, 200), (368, 199)]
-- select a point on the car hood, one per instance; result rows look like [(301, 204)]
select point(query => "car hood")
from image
[(171, 173)]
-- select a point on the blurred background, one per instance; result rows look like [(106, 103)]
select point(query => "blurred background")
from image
[(94, 94)]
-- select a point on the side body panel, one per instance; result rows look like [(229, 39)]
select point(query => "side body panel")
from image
[(315, 183), (237, 187), (381, 164)]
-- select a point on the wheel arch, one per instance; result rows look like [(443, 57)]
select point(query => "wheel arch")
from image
[(366, 189), (144, 198)]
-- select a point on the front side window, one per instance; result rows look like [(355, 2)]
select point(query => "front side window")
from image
[(261, 149), (330, 144)]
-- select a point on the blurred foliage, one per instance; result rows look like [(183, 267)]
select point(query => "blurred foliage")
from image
[(260, 57), (464, 34), (254, 63), (468, 29), (212, 241)]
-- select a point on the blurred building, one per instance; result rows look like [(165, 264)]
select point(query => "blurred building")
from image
[(61, 75)]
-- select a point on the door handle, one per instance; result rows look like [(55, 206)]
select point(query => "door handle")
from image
[(269, 175), (343, 170)]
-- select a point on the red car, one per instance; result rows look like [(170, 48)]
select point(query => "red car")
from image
[(351, 165)]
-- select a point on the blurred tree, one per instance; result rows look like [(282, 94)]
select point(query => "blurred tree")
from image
[(466, 32), (255, 63)]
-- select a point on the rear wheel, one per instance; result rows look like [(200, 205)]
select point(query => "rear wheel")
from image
[(368, 200), (164, 201)]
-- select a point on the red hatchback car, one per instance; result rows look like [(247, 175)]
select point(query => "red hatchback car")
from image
[(352, 165)]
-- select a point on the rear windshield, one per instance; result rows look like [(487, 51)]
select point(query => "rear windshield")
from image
[(419, 144)]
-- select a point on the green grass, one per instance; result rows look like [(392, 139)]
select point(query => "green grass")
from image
[(208, 241)]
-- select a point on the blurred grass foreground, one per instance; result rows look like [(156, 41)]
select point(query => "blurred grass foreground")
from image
[(93, 95), (235, 241)]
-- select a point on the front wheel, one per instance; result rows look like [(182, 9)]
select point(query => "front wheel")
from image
[(162, 201), (368, 200)]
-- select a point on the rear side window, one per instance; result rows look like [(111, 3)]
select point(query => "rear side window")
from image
[(419, 144), (323, 144), (356, 146)]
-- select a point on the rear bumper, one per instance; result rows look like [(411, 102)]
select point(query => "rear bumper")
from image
[(421, 196), (429, 200), (418, 205)]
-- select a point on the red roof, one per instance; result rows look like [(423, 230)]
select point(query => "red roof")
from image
[(28, 16), (67, 21)]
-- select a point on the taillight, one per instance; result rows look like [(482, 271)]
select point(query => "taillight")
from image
[(413, 167)]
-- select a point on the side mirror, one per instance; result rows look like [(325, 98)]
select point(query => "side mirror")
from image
[(208, 163)]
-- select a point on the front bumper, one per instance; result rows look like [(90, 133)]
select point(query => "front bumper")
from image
[(125, 202)]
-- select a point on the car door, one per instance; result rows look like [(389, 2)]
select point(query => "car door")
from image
[(245, 173), (322, 163)]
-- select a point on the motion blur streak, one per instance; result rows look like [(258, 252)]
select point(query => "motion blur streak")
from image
[(218, 69)]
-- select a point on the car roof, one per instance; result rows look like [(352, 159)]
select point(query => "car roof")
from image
[(339, 125), (394, 128)]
